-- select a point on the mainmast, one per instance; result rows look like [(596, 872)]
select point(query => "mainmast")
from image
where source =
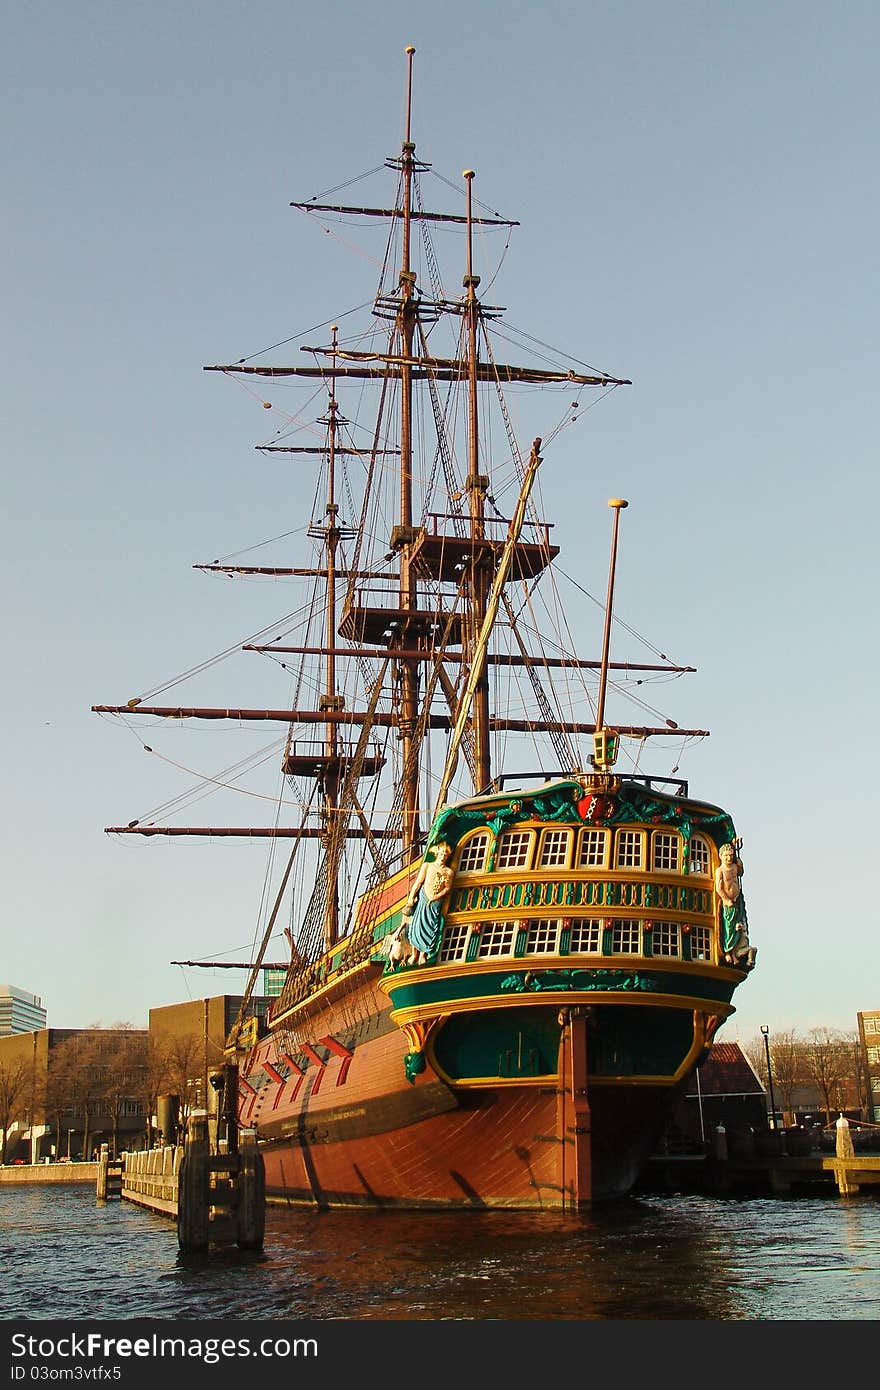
[(477, 485), (406, 322), (330, 701)]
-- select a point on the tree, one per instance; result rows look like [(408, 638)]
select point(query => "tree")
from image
[(61, 1091), (122, 1053), (183, 1067), (15, 1087), (786, 1062), (828, 1062)]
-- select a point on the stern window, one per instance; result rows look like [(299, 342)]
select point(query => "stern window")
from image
[(666, 939), (586, 935), (666, 851), (554, 849), (473, 854), (629, 849), (454, 942), (701, 943), (626, 937), (699, 857), (593, 852), (542, 937), (514, 849), (496, 939)]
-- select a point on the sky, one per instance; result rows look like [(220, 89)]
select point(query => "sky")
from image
[(697, 188)]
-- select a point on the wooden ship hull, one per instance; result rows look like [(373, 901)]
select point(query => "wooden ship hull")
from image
[(533, 1061), (494, 994)]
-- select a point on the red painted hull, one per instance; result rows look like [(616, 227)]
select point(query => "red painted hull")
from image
[(355, 1131)]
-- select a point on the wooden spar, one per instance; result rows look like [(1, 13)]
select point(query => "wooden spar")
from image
[(234, 964), (244, 832), (415, 214), (282, 571), (314, 449), (493, 601), (605, 744), (423, 368), (493, 658), (436, 721), (617, 503)]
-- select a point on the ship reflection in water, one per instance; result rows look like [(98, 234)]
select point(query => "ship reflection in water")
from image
[(668, 1257)]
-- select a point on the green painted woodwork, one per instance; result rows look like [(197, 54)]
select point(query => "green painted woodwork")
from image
[(408, 987), (502, 1043), (638, 1041), (631, 804), (512, 1043)]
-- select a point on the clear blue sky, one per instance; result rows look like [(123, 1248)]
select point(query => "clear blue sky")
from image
[(697, 184)]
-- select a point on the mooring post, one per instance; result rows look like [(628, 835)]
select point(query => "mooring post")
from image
[(103, 1167), (192, 1191), (251, 1192)]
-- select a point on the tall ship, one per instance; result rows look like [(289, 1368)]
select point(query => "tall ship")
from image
[(507, 947)]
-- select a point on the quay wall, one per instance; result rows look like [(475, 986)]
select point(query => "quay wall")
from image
[(21, 1173)]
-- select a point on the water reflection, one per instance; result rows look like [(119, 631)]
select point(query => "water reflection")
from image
[(695, 1258)]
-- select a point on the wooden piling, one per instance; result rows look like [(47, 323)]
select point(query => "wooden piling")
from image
[(109, 1180), (192, 1189), (251, 1192)]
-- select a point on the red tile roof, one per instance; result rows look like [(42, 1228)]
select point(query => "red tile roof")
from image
[(727, 1071)]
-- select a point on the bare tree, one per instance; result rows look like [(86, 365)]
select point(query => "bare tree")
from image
[(828, 1062), (183, 1069), (88, 1077), (153, 1082), (15, 1087), (122, 1062), (861, 1080)]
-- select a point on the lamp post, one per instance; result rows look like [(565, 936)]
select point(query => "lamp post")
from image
[(69, 1132), (765, 1031)]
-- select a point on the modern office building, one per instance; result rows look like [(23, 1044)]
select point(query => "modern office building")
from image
[(20, 1011)]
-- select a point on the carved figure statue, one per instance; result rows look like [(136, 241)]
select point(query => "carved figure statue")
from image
[(734, 923), (398, 948), (423, 914)]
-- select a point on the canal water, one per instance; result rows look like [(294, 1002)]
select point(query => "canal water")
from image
[(696, 1258)]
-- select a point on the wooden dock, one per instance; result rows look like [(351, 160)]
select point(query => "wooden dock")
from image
[(214, 1198), (777, 1176)]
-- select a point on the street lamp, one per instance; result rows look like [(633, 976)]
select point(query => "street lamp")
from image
[(765, 1031), (69, 1132)]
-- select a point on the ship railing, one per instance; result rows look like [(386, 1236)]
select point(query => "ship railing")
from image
[(496, 528), (516, 779)]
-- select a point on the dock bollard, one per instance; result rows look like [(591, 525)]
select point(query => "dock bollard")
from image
[(251, 1192), (103, 1166), (192, 1191), (719, 1144)]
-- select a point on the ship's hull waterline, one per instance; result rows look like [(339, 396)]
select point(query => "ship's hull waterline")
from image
[(375, 1139)]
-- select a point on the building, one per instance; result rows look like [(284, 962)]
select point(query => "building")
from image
[(66, 1091), (190, 1039), (725, 1090), (20, 1011), (869, 1037)]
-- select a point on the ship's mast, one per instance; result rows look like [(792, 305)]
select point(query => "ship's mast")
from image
[(331, 701), (477, 485), (409, 670)]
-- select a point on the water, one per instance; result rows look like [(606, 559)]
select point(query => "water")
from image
[(64, 1256)]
